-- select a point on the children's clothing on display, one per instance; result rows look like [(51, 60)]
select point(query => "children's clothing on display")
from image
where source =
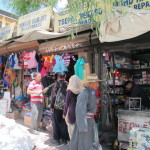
[(53, 63), (21, 61), (26, 58), (16, 66), (79, 68), (32, 63), (11, 60), (59, 66), (67, 58), (49, 62), (43, 72), (47, 65)]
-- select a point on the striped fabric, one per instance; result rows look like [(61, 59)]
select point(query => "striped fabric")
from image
[(36, 86)]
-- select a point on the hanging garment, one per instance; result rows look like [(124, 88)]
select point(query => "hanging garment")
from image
[(26, 58), (21, 61), (10, 76), (43, 72), (47, 63), (67, 58), (16, 66), (39, 61), (53, 63), (12, 60), (59, 67), (32, 63), (79, 68)]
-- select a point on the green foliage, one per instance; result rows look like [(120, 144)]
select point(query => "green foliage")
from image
[(22, 7)]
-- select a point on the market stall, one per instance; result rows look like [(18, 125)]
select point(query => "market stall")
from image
[(126, 108)]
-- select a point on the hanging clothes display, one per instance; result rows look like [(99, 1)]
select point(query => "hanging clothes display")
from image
[(52, 62), (49, 62), (67, 58), (32, 63), (79, 68), (16, 66), (12, 61), (59, 66), (43, 72), (21, 61), (9, 76), (26, 58)]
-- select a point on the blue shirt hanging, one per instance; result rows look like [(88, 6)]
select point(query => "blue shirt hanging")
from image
[(79, 68)]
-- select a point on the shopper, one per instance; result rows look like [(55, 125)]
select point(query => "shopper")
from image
[(85, 135), (74, 88), (35, 90), (132, 90), (58, 94)]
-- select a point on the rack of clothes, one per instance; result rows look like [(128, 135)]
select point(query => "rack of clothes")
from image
[(47, 65)]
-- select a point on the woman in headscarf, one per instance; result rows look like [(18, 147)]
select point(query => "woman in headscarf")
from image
[(73, 90)]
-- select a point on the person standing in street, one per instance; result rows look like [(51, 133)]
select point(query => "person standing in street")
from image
[(58, 94), (35, 89), (85, 135), (74, 88)]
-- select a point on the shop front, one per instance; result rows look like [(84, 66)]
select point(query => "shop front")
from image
[(21, 59), (127, 108)]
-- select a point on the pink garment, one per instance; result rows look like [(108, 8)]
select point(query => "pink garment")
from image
[(32, 63), (67, 58), (54, 62), (43, 72)]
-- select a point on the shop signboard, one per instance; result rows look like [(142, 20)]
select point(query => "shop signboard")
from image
[(63, 19), (62, 45), (7, 31), (128, 119), (37, 20)]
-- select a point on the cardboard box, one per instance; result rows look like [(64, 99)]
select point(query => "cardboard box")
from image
[(27, 121), (14, 116)]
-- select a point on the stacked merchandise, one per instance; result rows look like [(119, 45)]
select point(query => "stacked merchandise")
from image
[(139, 139), (142, 78)]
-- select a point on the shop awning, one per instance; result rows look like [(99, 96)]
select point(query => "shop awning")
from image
[(81, 42), (40, 34), (18, 47), (122, 27)]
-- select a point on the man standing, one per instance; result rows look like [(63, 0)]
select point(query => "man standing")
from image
[(58, 95), (85, 136), (35, 90)]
